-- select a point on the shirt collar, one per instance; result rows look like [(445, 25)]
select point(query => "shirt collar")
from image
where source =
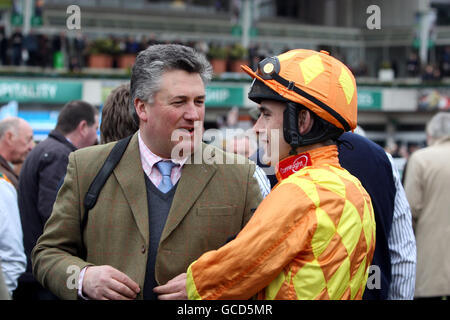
[(149, 159), (314, 157)]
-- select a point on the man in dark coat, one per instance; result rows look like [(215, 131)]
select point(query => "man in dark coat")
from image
[(41, 177)]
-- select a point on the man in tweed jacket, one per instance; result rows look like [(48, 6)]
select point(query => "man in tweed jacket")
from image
[(213, 200)]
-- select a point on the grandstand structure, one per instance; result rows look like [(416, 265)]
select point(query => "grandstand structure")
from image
[(394, 102)]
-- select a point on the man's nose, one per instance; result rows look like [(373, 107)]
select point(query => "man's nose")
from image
[(257, 127), (192, 112)]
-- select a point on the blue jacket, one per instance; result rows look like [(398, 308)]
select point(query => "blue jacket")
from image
[(368, 162)]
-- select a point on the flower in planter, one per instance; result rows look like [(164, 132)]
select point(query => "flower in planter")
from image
[(238, 52), (217, 52), (103, 46)]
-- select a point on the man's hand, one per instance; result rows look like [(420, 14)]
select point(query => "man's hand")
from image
[(107, 283), (175, 289)]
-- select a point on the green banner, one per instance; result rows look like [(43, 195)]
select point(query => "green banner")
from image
[(369, 99), (17, 12), (40, 91), (224, 96), (36, 16)]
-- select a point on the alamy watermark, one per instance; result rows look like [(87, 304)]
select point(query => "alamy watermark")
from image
[(72, 280), (73, 21), (374, 20), (187, 144)]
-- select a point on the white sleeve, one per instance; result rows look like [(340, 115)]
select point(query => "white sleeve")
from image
[(263, 181), (80, 284), (12, 255), (402, 245)]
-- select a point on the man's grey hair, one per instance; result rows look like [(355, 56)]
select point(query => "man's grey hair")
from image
[(152, 63), (439, 126), (9, 124)]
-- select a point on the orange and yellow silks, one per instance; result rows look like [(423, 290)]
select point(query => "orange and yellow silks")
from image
[(312, 237)]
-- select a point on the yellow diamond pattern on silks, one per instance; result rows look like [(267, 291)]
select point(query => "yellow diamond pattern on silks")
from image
[(368, 225), (273, 288), (333, 181), (349, 227), (358, 279), (311, 67), (342, 275), (345, 174), (309, 281), (347, 85), (324, 232), (307, 186)]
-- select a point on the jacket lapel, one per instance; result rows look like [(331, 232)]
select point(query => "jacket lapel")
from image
[(130, 175), (194, 178)]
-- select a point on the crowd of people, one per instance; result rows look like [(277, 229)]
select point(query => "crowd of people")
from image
[(132, 219), (60, 51)]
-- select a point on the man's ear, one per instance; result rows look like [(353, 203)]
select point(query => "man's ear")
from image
[(9, 135), (141, 111), (82, 126), (305, 121)]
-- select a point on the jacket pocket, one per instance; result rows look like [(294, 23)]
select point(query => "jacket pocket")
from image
[(216, 211)]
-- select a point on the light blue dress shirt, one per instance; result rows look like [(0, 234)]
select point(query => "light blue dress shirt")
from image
[(12, 255)]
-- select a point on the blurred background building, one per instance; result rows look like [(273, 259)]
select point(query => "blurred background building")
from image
[(401, 60)]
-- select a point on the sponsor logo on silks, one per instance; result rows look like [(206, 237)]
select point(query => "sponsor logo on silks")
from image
[(293, 164)]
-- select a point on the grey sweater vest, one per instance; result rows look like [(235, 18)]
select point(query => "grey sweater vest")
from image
[(158, 209)]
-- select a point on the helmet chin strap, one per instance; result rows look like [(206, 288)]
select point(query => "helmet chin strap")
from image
[(320, 132), (291, 133)]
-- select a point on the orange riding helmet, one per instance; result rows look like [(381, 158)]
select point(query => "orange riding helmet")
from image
[(315, 80)]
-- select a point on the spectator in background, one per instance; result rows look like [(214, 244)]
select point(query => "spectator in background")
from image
[(413, 65), (16, 44), (79, 49), (431, 73), (16, 141), (427, 181), (445, 62), (41, 177), (12, 256), (117, 122), (74, 64), (44, 56), (131, 45), (30, 44), (3, 47), (395, 250)]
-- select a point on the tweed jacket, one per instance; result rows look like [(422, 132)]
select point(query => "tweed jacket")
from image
[(213, 202)]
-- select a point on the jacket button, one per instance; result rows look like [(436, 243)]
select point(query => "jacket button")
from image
[(143, 249)]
